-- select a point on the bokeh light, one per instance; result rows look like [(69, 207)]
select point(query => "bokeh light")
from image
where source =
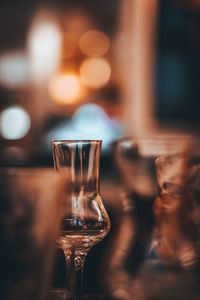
[(90, 121), (77, 21), (65, 88), (15, 123), (45, 49), (94, 43), (95, 72), (14, 69)]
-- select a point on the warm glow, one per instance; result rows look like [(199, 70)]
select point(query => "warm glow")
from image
[(95, 72), (64, 88), (69, 45), (77, 21), (44, 48), (94, 43)]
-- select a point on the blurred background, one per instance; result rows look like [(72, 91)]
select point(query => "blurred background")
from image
[(104, 69), (101, 70)]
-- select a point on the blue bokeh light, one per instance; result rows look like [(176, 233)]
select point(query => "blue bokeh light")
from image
[(90, 121)]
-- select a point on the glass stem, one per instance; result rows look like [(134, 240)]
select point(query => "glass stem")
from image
[(74, 273), (78, 283)]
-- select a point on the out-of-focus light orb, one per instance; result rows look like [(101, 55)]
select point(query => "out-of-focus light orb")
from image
[(90, 118), (95, 72), (15, 123), (77, 21), (90, 121), (14, 69), (94, 43), (45, 49), (64, 88)]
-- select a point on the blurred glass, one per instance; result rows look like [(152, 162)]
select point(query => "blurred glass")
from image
[(157, 243), (176, 208), (30, 204)]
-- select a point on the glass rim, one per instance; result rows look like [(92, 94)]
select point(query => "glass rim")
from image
[(157, 138), (165, 158), (76, 141), (157, 145)]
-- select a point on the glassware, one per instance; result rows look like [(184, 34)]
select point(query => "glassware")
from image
[(30, 210), (171, 270), (85, 220), (177, 208), (139, 253)]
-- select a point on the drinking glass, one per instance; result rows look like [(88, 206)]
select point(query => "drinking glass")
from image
[(137, 245), (177, 208), (85, 220), (30, 211), (174, 270), (156, 252)]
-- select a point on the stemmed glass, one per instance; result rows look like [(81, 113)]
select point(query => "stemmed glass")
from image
[(85, 220)]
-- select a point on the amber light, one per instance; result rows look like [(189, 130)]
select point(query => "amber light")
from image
[(65, 88), (69, 45), (95, 72), (94, 43)]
